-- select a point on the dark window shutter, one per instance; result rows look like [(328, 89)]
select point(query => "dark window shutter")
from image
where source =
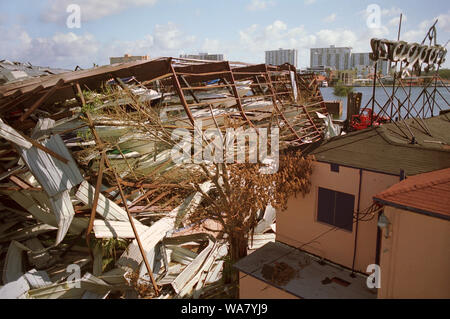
[(345, 204), (334, 167), (325, 210)]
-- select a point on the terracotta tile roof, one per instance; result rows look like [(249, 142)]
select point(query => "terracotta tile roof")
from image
[(427, 193)]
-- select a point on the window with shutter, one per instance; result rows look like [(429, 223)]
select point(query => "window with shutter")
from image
[(335, 208)]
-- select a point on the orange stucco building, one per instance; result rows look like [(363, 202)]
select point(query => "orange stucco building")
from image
[(335, 226)]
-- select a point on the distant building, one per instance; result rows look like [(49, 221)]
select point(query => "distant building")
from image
[(320, 69), (128, 58), (203, 56), (279, 57), (332, 57), (342, 58), (364, 66)]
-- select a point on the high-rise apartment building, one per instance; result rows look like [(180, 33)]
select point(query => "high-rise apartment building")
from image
[(332, 57), (342, 58), (203, 56), (279, 57)]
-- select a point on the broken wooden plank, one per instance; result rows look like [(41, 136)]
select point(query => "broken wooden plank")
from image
[(42, 100)]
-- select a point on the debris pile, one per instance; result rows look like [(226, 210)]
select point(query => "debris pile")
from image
[(90, 152)]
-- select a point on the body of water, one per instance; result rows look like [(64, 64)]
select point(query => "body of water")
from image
[(382, 98)]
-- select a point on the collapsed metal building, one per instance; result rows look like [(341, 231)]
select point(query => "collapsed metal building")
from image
[(90, 151)]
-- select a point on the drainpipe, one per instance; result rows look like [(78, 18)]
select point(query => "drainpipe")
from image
[(357, 224)]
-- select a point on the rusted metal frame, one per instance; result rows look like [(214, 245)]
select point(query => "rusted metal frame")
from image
[(42, 100), (283, 93), (440, 94), (126, 89), (160, 196), (128, 164), (143, 253), (169, 201), (389, 102), (412, 104), (258, 84), (145, 196), (434, 91), (429, 96), (274, 101), (188, 87), (257, 96), (150, 186), (80, 94), (443, 84), (308, 134), (238, 99), (204, 87), (19, 182), (136, 235), (422, 124), (304, 109), (180, 93), (119, 201), (12, 188), (98, 185), (202, 74), (227, 85), (405, 135), (21, 99)]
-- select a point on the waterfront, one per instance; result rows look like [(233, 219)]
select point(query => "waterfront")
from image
[(382, 98)]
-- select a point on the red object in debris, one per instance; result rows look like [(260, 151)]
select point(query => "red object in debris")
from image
[(365, 119)]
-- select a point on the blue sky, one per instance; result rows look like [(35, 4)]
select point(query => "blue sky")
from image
[(36, 31)]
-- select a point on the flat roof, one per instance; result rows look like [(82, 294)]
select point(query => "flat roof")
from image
[(304, 276), (384, 149)]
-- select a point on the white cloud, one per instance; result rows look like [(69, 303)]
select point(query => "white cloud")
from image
[(69, 49), (395, 21), (169, 37), (393, 11), (256, 39), (308, 2), (211, 46), (62, 49), (330, 18), (90, 9), (255, 5), (417, 35)]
